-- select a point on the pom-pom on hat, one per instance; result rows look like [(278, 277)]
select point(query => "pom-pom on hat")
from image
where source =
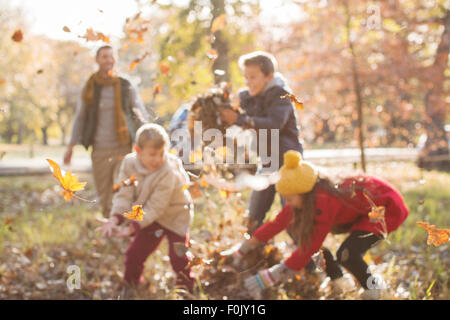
[(296, 176)]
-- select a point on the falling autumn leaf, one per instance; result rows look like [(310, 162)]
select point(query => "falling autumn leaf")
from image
[(203, 183), (40, 71), (112, 73), (91, 35), (156, 90), (136, 61), (8, 220), (2, 82), (69, 182), (137, 214), (164, 68), (66, 29), (212, 54), (294, 100), (130, 181), (376, 215), (194, 190), (218, 23), (17, 36), (436, 236)]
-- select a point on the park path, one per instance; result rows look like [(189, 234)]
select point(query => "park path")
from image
[(38, 165)]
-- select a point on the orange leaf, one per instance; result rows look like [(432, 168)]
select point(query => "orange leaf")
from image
[(164, 68), (69, 182), (137, 214), (2, 82), (91, 35), (116, 187), (377, 214), (156, 90), (112, 73), (17, 36), (133, 65), (194, 190), (212, 54), (436, 236), (66, 29), (131, 180), (8, 220), (136, 61), (218, 23), (294, 100)]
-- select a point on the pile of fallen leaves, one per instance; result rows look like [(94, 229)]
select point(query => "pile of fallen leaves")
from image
[(206, 108)]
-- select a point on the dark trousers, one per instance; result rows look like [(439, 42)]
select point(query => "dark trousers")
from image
[(350, 255), (145, 243), (260, 203)]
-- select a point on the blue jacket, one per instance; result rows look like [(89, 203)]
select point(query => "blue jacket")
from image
[(269, 111)]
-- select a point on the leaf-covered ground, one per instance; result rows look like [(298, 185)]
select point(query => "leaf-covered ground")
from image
[(41, 235)]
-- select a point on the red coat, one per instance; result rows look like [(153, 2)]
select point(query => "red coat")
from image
[(332, 212)]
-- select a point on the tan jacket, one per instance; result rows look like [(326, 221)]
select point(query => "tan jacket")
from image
[(161, 193)]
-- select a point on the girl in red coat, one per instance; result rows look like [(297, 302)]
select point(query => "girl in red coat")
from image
[(315, 206)]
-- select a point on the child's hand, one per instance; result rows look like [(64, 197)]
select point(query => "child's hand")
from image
[(108, 226), (125, 231), (228, 116)]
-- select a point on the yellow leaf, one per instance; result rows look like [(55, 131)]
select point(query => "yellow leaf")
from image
[(203, 183), (69, 182), (196, 155), (136, 214), (56, 169), (218, 23)]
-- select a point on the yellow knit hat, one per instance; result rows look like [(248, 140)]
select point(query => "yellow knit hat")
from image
[(296, 176)]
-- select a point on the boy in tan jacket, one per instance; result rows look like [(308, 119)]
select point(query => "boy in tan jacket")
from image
[(166, 202)]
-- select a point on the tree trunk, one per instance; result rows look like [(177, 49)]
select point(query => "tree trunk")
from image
[(220, 45), (44, 136), (357, 88)]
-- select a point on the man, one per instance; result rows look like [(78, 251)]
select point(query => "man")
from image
[(265, 109), (107, 117)]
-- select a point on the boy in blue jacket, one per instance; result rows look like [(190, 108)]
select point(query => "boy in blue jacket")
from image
[(264, 108)]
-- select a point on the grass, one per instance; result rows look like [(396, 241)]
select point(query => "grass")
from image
[(49, 231)]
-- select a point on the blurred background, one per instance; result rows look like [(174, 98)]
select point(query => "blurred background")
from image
[(379, 66)]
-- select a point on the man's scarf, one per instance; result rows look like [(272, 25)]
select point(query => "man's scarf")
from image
[(122, 134)]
